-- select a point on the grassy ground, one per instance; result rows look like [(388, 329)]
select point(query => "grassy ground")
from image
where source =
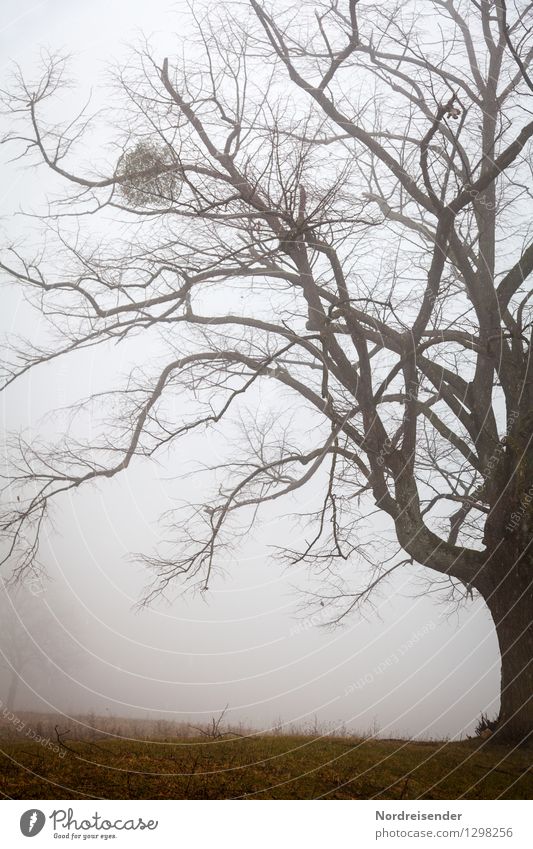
[(258, 767)]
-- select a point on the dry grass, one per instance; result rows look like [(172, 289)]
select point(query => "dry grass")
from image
[(177, 766)]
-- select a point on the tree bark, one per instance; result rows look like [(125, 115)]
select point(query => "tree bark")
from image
[(510, 602)]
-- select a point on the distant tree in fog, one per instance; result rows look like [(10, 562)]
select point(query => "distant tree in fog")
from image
[(333, 196), (33, 646)]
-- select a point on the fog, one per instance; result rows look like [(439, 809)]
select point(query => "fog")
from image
[(408, 665)]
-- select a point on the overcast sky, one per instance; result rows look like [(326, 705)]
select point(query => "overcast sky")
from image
[(411, 666)]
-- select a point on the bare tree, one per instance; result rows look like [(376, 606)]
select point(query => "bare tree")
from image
[(333, 196)]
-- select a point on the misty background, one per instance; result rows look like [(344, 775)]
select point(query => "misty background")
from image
[(409, 665)]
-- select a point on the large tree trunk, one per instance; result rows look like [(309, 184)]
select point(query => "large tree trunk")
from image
[(511, 604)]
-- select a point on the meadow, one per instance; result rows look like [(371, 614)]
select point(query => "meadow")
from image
[(258, 766)]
